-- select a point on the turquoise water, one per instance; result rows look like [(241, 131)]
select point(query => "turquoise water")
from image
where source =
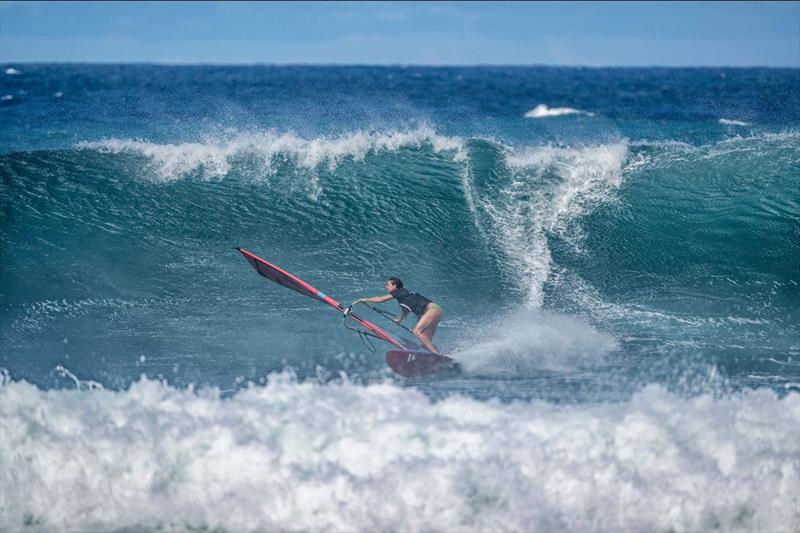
[(616, 251)]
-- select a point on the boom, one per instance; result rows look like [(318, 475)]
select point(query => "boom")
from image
[(290, 281)]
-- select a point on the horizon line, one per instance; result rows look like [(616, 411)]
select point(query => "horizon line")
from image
[(390, 65)]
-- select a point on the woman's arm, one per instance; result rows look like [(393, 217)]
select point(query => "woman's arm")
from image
[(375, 299), (403, 313)]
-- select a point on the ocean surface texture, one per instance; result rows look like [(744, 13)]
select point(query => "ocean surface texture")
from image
[(617, 253)]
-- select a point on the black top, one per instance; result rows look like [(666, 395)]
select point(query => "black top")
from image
[(412, 301)]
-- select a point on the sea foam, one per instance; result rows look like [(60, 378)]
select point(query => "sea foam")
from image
[(305, 456)]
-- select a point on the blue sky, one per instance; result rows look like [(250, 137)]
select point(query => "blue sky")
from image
[(429, 33)]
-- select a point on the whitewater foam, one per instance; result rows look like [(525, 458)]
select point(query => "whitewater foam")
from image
[(305, 456), (214, 157), (79, 384)]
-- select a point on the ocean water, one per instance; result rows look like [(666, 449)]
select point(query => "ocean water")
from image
[(617, 252)]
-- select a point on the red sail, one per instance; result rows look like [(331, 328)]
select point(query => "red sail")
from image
[(290, 281)]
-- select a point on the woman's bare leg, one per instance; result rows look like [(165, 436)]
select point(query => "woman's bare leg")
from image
[(426, 328)]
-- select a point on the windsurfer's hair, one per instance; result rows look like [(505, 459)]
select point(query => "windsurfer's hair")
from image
[(397, 282)]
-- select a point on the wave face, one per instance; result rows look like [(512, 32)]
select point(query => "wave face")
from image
[(620, 285), (646, 242)]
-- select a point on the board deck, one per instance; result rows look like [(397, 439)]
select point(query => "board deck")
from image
[(416, 363)]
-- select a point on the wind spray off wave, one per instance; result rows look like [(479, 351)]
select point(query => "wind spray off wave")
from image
[(214, 157)]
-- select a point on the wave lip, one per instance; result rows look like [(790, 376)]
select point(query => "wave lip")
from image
[(303, 456), (542, 111), (214, 157)]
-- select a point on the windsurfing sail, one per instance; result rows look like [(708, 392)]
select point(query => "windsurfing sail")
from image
[(290, 281)]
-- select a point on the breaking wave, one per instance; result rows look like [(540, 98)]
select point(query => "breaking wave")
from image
[(312, 457), (545, 192), (214, 158)]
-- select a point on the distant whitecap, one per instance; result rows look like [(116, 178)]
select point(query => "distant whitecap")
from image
[(732, 122), (6, 98), (542, 111), (11, 71)]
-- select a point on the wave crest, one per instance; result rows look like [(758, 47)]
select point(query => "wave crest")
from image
[(214, 158)]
